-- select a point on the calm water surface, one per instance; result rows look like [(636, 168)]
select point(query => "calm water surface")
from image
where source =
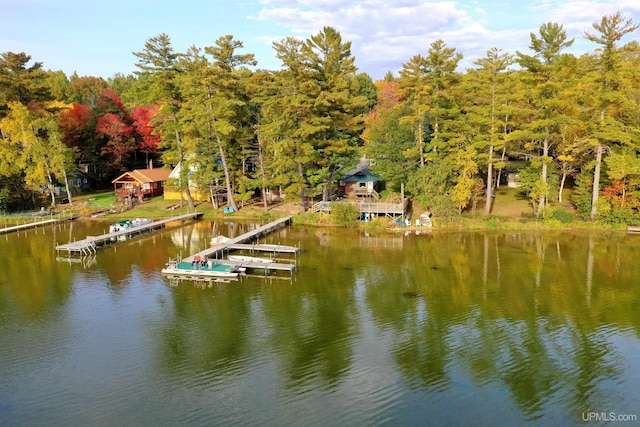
[(435, 329)]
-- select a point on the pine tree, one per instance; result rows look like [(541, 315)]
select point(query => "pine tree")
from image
[(158, 64), (336, 119), (20, 82), (488, 107), (544, 82), (215, 102), (610, 126)]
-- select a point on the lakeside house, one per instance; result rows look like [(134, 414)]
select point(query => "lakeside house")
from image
[(172, 190), (141, 183), (360, 182)]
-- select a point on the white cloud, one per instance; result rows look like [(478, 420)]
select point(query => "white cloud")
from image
[(381, 33), (385, 35)]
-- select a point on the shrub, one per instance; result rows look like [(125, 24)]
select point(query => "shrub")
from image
[(306, 218), (561, 216), (377, 223), (5, 200), (345, 214), (617, 215)]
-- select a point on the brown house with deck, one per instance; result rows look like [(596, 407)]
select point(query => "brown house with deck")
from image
[(360, 182), (141, 183)]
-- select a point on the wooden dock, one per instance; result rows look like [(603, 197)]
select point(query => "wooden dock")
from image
[(90, 244), (33, 224), (218, 250), (213, 256)]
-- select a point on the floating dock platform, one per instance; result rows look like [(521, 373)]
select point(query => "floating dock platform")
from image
[(211, 258), (90, 244)]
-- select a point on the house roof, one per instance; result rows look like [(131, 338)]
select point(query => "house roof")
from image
[(361, 175), (144, 175)]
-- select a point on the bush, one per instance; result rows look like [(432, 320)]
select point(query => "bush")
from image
[(561, 216), (345, 214), (378, 223), (307, 218), (617, 215), (5, 200)]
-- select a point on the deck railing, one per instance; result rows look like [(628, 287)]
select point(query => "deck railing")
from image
[(364, 207)]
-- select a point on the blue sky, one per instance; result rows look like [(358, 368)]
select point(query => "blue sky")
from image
[(97, 37)]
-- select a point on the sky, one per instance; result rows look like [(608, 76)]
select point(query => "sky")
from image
[(98, 37)]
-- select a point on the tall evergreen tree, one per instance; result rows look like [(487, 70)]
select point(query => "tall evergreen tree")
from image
[(158, 64), (337, 115), (215, 102), (21, 82), (609, 125), (544, 81), (285, 106), (488, 108)]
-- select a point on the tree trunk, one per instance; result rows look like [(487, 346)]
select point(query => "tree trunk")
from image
[(487, 207), (66, 184), (545, 153), (302, 201), (227, 176), (420, 139), (564, 177), (596, 183), (263, 189), (183, 172), (51, 188)]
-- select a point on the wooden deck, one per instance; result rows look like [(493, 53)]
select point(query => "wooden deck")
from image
[(391, 210), (90, 244)]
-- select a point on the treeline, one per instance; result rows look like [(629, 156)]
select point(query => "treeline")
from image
[(447, 135)]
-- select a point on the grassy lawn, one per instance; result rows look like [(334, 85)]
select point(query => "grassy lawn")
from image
[(510, 202), (104, 200)]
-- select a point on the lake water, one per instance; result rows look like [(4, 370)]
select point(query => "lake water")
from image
[(442, 328)]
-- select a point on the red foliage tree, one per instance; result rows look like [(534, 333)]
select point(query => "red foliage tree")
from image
[(389, 94), (614, 193), (119, 135), (75, 124)]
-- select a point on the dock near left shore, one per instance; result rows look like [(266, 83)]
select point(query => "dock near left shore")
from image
[(34, 224), (89, 244)]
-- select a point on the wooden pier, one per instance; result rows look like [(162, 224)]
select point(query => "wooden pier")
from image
[(218, 250), (212, 257), (90, 244), (33, 224)]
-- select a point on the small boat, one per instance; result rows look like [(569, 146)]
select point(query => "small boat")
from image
[(218, 240), (244, 258), (633, 228), (425, 220), (128, 224)]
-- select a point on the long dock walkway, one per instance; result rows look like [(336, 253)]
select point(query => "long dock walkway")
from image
[(220, 248), (33, 224), (89, 244)]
